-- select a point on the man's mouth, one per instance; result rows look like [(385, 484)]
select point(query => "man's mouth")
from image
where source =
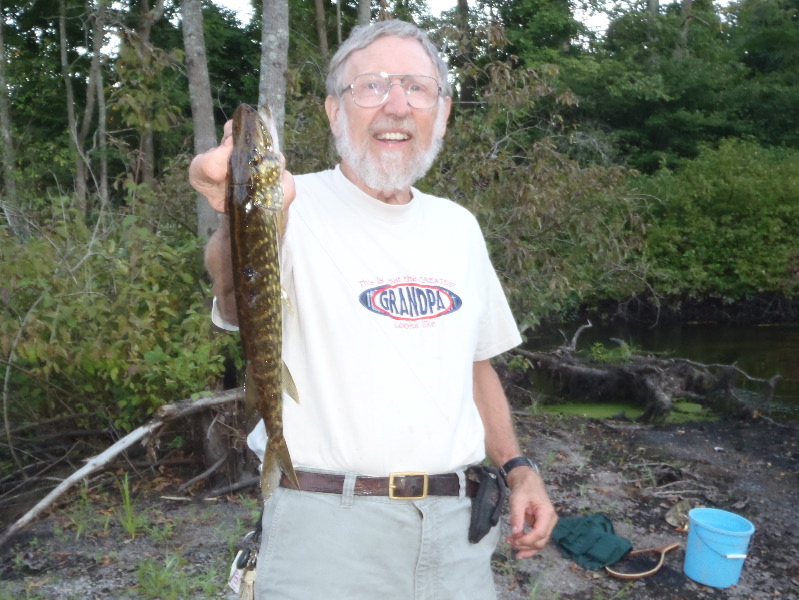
[(393, 136)]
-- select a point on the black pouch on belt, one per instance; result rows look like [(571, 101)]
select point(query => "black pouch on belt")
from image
[(487, 504)]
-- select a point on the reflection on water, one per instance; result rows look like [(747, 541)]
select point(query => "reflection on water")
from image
[(761, 351)]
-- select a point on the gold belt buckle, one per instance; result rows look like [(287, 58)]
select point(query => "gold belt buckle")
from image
[(392, 486)]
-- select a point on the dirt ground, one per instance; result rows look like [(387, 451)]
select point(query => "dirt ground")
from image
[(633, 474)]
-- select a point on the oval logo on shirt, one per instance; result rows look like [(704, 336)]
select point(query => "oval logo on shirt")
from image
[(410, 302)]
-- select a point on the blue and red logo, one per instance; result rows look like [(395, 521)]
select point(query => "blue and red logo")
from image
[(410, 301)]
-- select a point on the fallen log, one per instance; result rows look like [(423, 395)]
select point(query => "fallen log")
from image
[(651, 381), (145, 434)]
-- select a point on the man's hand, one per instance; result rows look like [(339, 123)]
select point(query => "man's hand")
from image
[(208, 173), (532, 516)]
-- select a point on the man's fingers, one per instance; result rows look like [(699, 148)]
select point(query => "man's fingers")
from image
[(208, 172)]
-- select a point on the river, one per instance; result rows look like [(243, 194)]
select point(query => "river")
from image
[(761, 351)]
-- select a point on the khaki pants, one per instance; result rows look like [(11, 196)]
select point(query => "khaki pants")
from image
[(343, 547)]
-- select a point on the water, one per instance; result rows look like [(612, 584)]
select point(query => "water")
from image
[(760, 351)]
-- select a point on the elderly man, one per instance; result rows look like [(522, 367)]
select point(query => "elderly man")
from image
[(396, 313)]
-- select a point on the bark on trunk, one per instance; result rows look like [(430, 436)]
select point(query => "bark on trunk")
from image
[(682, 39), (10, 201), (321, 29), (202, 108), (463, 59), (72, 121), (364, 12), (274, 60), (147, 146)]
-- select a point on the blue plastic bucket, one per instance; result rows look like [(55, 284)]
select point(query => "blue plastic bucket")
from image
[(716, 548)]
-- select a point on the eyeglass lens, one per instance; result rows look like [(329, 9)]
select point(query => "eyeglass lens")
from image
[(371, 89)]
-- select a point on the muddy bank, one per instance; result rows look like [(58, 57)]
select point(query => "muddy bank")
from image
[(633, 474)]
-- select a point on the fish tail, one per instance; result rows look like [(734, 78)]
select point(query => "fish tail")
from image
[(276, 460)]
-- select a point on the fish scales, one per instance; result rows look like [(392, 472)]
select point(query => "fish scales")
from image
[(254, 204)]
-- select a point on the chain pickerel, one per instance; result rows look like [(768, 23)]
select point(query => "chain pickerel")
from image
[(255, 208)]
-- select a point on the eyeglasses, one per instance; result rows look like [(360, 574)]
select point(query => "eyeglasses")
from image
[(370, 90)]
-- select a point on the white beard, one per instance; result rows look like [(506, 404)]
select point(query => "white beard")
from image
[(387, 172)]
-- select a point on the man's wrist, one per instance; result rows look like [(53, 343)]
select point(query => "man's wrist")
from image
[(518, 461)]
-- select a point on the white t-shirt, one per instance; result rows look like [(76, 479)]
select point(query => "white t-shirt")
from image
[(390, 305)]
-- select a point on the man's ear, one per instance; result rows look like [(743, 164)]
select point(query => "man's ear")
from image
[(332, 108)]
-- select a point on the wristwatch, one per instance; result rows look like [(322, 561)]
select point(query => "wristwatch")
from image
[(519, 461)]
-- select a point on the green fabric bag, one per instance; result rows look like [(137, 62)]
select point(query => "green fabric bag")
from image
[(589, 541)]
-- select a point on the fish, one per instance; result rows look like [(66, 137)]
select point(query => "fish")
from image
[(254, 203)]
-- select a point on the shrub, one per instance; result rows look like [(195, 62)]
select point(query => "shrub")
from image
[(727, 223), (110, 320)]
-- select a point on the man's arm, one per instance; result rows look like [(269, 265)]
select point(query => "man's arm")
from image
[(532, 516), (219, 264)]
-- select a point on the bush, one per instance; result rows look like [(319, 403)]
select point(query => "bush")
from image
[(110, 320), (560, 235), (727, 223)]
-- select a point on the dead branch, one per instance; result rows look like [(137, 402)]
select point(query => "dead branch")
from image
[(164, 415), (572, 347), (207, 473), (233, 487), (651, 381)]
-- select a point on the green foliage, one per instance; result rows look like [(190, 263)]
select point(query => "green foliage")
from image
[(132, 521), (539, 31), (726, 223), (559, 234), (618, 354), (663, 85), (165, 581), (110, 320), (145, 98)]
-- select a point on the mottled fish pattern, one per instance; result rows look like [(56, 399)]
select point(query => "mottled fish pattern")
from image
[(255, 208)]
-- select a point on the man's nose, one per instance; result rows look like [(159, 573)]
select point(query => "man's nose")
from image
[(397, 101)]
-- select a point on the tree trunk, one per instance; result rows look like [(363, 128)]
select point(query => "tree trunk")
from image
[(653, 8), (338, 22), (682, 39), (95, 93), (464, 55), (274, 59), (321, 28), (147, 146), (202, 109), (10, 202), (364, 12), (102, 133), (72, 122)]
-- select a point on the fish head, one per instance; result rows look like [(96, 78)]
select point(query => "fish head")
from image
[(255, 160)]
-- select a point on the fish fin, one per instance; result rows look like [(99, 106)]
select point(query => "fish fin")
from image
[(270, 474), (276, 459), (250, 398), (289, 386), (286, 300)]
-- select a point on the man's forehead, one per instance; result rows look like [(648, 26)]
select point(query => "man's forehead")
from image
[(391, 54)]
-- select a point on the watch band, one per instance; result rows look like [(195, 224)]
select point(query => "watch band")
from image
[(517, 462)]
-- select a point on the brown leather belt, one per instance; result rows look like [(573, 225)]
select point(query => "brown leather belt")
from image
[(401, 486)]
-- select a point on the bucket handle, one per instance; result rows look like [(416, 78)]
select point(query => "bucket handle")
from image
[(707, 544)]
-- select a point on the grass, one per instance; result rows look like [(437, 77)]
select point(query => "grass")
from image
[(172, 579), (132, 521)]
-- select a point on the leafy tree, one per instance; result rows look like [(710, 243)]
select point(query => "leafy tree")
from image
[(659, 89), (560, 235), (111, 319), (538, 31), (726, 223)]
